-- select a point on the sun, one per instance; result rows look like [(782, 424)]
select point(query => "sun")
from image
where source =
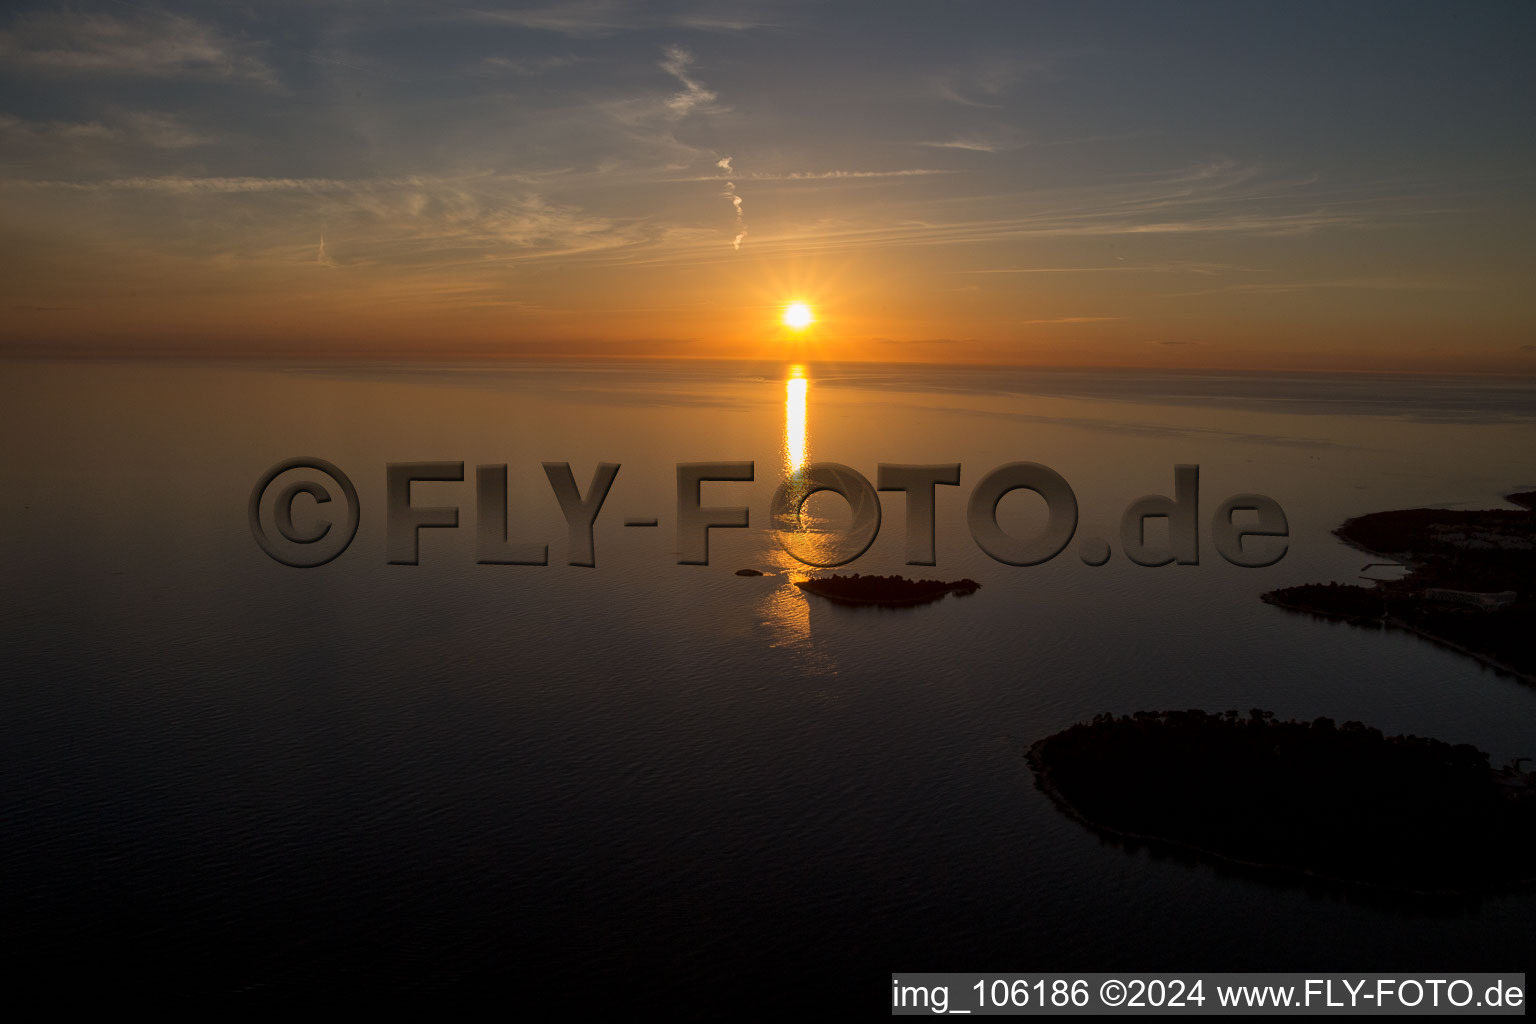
[(798, 315)]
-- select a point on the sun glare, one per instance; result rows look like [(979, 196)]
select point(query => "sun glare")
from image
[(798, 315)]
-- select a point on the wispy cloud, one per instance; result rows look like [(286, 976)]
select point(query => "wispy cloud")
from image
[(1385, 284), (576, 18), (720, 21), (114, 144), (1121, 267), (980, 143), (1007, 141), (15, 129), (163, 131), (677, 62), (907, 172), (1210, 199), (835, 175), (1081, 140), (990, 78), (596, 18), (414, 224), (527, 67), (948, 92), (469, 224), (149, 44), (185, 185)]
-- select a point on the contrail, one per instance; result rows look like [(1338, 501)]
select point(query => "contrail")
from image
[(678, 63), (724, 163)]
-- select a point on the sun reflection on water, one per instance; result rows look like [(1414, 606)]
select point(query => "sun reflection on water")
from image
[(785, 610), (796, 444)]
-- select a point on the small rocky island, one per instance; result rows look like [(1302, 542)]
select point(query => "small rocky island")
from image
[(1341, 802), (887, 591), (1469, 585)]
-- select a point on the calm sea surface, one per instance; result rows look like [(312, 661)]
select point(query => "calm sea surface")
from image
[(220, 772)]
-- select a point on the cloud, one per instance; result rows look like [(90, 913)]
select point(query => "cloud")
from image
[(413, 224), (988, 79), (1385, 284), (1121, 267), (912, 172), (1210, 199), (15, 129), (1073, 320), (162, 131), (473, 222), (1079, 140), (1009, 141), (114, 144), (595, 18), (184, 185), (702, 21), (145, 128), (980, 143), (948, 92), (527, 67), (576, 18), (148, 45), (676, 63)]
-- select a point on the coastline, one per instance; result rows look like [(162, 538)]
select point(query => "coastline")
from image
[(1422, 569)]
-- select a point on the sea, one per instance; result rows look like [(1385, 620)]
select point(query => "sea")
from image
[(223, 773)]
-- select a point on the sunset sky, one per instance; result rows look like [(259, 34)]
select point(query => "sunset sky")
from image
[(1288, 186)]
